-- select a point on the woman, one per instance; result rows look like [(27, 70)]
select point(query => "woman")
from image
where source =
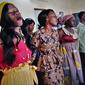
[(27, 28), (69, 41), (29, 23), (29, 43), (15, 56), (47, 41)]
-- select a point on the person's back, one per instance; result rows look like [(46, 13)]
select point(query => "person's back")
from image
[(81, 34), (81, 37)]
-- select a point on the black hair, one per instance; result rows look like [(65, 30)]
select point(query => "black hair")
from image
[(28, 21), (7, 35), (81, 14), (42, 17), (29, 43), (27, 37)]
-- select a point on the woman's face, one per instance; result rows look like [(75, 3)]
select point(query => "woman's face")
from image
[(83, 17), (15, 15), (52, 18), (71, 22), (31, 27)]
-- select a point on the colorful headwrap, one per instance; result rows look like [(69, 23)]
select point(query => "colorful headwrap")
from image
[(67, 17), (2, 4)]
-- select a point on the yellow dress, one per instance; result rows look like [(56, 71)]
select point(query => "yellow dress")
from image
[(21, 72), (22, 75)]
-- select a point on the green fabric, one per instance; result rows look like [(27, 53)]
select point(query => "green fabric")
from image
[(81, 34)]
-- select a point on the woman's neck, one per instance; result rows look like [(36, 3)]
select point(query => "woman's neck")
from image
[(70, 29), (18, 30), (48, 28), (31, 32), (82, 21)]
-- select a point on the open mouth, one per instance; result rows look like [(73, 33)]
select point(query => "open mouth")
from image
[(19, 18), (19, 21)]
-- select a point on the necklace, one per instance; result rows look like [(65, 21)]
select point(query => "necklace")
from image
[(75, 36)]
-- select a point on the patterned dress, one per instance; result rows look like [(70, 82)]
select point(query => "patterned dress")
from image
[(72, 63), (51, 60)]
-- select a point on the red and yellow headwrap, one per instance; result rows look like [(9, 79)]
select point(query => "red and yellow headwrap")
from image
[(2, 4)]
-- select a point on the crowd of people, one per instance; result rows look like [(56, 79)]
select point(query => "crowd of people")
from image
[(48, 56)]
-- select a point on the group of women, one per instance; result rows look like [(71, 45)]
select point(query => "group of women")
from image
[(51, 54)]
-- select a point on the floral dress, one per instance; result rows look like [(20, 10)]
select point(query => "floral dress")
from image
[(51, 60)]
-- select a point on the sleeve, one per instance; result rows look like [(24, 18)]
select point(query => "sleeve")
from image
[(36, 53), (36, 42), (36, 39), (1, 58), (61, 34)]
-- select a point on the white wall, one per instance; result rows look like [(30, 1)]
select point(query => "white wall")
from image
[(26, 7), (77, 5)]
